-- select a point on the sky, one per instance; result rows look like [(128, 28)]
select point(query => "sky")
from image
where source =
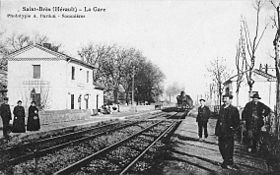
[(180, 37)]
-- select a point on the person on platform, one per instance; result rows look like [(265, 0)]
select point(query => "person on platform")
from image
[(202, 119), (253, 114), (227, 123), (33, 122), (19, 118), (6, 116)]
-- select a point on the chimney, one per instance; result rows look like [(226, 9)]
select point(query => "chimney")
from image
[(47, 45), (266, 68), (55, 48), (260, 67)]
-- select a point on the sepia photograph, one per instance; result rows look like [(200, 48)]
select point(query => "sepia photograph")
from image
[(139, 87)]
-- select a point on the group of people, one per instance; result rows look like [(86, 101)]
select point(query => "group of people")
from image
[(18, 126), (228, 124)]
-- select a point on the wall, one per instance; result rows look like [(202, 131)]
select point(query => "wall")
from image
[(55, 84), (266, 90), (80, 87), (51, 84), (59, 116)]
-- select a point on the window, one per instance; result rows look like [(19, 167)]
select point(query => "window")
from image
[(36, 71), (72, 101), (87, 76), (73, 73)]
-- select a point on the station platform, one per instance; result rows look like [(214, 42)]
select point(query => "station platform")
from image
[(55, 128), (188, 155)]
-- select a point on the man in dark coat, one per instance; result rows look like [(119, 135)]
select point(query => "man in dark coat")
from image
[(6, 116), (19, 118), (227, 124), (253, 114), (202, 119)]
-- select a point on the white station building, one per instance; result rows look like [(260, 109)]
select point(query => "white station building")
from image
[(54, 80), (265, 86)]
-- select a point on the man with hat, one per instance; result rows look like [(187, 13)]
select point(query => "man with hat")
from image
[(202, 119), (227, 124), (253, 116), (6, 116)]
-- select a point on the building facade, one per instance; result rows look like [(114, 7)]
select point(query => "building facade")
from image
[(52, 79), (265, 85)]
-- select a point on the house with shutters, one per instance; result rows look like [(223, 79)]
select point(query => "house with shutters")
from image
[(54, 80), (265, 85)]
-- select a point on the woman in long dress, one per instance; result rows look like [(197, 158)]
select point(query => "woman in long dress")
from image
[(19, 115), (33, 122)]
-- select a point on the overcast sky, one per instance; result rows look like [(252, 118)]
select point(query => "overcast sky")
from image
[(181, 37)]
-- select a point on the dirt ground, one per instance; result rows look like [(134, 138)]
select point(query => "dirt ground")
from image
[(187, 155)]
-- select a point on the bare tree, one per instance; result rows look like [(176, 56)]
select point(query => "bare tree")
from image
[(252, 45), (40, 39), (220, 73), (211, 90), (240, 62), (17, 41), (276, 44)]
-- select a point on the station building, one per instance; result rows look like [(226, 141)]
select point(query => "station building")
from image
[(54, 80), (265, 85)]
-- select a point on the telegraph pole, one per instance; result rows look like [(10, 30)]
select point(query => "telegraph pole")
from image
[(133, 92), (132, 98)]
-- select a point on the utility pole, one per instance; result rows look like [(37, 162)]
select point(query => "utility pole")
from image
[(132, 98)]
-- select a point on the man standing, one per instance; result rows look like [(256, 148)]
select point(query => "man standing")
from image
[(253, 116), (227, 124), (5, 113), (202, 119)]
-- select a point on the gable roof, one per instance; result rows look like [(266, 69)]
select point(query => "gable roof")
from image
[(268, 76), (57, 55), (264, 74)]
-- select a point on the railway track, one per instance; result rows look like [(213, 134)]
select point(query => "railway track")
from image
[(49, 145), (138, 144)]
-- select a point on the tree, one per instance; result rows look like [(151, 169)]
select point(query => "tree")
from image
[(220, 73), (240, 62), (117, 66), (94, 55), (276, 44), (16, 41), (131, 70), (252, 46), (148, 82)]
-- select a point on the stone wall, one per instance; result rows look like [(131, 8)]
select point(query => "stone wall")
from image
[(59, 116), (126, 108)]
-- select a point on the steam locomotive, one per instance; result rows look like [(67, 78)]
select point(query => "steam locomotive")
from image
[(184, 102)]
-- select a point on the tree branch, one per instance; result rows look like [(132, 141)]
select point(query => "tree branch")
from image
[(261, 36), (271, 1)]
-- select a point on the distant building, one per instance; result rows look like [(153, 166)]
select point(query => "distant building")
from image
[(265, 85), (54, 80)]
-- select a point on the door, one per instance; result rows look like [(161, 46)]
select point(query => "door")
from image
[(72, 101)]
